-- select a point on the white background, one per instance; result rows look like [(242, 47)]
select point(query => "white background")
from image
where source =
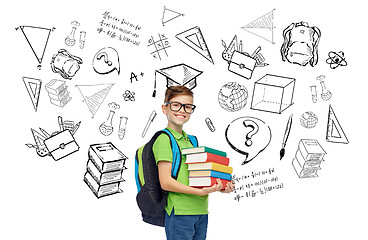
[(46, 199)]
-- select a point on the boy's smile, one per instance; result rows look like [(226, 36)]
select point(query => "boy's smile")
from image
[(176, 119)]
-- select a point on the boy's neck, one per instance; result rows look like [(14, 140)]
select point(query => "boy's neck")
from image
[(176, 128)]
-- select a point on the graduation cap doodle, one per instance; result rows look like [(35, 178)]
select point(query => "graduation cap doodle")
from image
[(179, 75)]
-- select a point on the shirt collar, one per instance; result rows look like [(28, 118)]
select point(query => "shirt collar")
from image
[(177, 135)]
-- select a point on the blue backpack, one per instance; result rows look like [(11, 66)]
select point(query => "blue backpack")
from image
[(151, 198)]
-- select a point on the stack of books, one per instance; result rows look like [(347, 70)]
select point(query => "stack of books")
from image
[(308, 158), (205, 165), (105, 167), (58, 92)]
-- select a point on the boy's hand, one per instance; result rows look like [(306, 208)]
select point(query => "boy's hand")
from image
[(214, 188), (229, 187)]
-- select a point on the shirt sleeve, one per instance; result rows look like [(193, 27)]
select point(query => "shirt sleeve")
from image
[(162, 149)]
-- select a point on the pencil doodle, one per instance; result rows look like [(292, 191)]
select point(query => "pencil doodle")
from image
[(336, 59), (313, 89), (210, 125), (262, 27), (178, 75), (273, 93), (122, 127), (104, 169), (150, 120), (233, 96), (58, 92), (308, 119), (37, 38), (257, 137), (94, 95), (159, 46), (308, 158), (66, 64), (194, 39), (59, 144), (286, 136), (335, 133), (129, 95), (106, 60), (300, 44), (119, 29), (169, 15), (106, 127), (33, 87)]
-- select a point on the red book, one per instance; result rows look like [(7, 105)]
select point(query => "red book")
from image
[(206, 157), (206, 182)]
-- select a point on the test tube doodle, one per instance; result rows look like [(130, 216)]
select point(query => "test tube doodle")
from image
[(150, 120), (122, 127), (82, 39), (314, 93)]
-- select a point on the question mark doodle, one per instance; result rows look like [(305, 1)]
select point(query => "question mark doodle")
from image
[(254, 127), (105, 57)]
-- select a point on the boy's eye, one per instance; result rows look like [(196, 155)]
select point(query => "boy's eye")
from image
[(175, 104)]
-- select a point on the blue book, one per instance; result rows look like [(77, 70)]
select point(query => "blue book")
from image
[(209, 173)]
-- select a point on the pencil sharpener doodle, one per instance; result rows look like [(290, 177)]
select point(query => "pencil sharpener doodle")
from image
[(66, 64), (241, 130), (106, 61)]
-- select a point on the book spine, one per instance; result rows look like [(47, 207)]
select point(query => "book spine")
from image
[(55, 86), (215, 151)]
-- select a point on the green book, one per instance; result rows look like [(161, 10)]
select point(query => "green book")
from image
[(202, 149)]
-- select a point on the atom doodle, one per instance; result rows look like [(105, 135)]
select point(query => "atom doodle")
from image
[(129, 96), (336, 59)]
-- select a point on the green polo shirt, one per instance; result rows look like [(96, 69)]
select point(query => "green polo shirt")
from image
[(184, 204)]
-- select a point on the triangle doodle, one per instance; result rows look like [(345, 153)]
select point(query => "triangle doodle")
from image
[(334, 133), (94, 95), (193, 38), (37, 38), (33, 88), (262, 27), (169, 15)]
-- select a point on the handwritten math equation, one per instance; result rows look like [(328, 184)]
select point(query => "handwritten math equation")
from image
[(119, 28), (255, 184)]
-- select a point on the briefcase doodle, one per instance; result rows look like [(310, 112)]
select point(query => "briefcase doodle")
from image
[(61, 144), (242, 64)]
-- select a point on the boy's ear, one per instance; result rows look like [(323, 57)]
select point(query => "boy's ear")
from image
[(164, 109)]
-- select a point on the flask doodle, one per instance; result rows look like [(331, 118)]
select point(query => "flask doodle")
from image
[(106, 61), (257, 136)]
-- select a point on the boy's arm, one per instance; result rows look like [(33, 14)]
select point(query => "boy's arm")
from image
[(170, 184)]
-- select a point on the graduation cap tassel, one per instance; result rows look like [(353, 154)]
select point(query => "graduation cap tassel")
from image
[(154, 87)]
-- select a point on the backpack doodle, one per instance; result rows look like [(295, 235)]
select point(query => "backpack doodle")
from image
[(151, 198), (300, 44)]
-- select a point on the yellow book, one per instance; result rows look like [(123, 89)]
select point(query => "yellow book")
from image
[(210, 166)]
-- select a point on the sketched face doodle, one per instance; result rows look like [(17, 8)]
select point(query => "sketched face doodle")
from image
[(106, 61), (248, 136)]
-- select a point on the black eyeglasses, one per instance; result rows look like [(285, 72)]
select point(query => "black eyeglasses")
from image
[(176, 106)]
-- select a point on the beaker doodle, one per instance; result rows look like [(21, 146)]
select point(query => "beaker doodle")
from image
[(325, 95), (314, 93), (122, 127), (70, 40), (106, 127)]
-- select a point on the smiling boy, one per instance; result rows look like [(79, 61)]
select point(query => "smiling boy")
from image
[(187, 207)]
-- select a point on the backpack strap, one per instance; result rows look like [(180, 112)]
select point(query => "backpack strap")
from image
[(176, 154), (193, 140)]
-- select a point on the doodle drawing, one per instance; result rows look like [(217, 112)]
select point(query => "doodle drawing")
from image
[(129, 95), (33, 87), (194, 39), (122, 127), (106, 127), (70, 39), (286, 136), (336, 59), (61, 144), (94, 95), (39, 145), (169, 15), (58, 92), (262, 27), (308, 119), (66, 64), (232, 96), (308, 158), (37, 38), (326, 94), (248, 136), (104, 169), (273, 93), (313, 89), (150, 120), (300, 44), (334, 132), (106, 60), (159, 46), (210, 125)]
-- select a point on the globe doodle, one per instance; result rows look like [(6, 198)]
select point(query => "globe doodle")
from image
[(308, 120), (233, 96)]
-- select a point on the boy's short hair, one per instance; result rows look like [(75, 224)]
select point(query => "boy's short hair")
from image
[(174, 91)]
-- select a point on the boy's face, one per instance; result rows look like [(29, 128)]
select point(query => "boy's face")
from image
[(176, 119)]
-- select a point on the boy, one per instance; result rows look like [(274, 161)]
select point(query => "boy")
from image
[(187, 207)]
